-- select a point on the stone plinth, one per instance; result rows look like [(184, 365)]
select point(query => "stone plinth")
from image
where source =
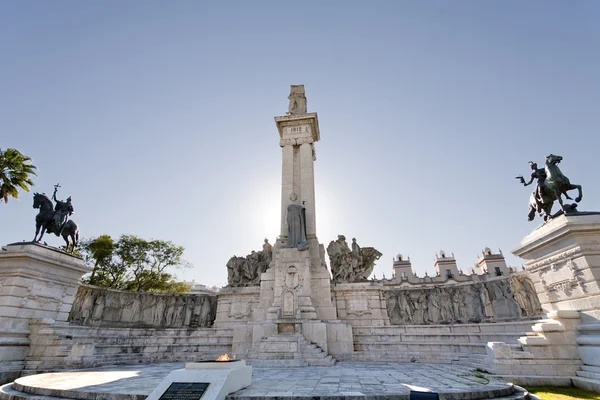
[(222, 379), (361, 304), (35, 282), (236, 305), (563, 257)]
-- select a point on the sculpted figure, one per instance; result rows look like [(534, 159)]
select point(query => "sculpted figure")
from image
[(296, 221), (422, 307), (406, 307), (55, 219), (367, 263), (551, 185), (297, 100), (351, 265), (434, 309), (393, 309), (520, 295), (534, 301), (525, 295), (461, 308), (474, 304), (267, 251), (62, 211), (485, 300), (206, 317), (246, 271)]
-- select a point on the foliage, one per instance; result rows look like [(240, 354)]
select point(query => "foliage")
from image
[(133, 263), (15, 172), (562, 393)]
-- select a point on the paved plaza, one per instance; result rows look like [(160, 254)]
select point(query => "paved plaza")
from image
[(344, 380)]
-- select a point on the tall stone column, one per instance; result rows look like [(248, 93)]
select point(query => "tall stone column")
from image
[(287, 183), (307, 183)]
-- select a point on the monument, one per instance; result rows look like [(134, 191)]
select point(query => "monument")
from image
[(283, 308), (293, 307)]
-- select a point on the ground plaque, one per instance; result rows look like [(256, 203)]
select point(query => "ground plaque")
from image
[(185, 391)]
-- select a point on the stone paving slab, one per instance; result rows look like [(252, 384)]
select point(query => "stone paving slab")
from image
[(344, 380)]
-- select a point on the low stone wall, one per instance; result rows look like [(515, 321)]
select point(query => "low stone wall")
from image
[(57, 346), (95, 306), (464, 344), (502, 299)]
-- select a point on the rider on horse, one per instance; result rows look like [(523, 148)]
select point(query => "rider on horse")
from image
[(62, 210)]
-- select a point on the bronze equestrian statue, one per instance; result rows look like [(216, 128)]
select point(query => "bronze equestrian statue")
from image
[(55, 219), (551, 185)]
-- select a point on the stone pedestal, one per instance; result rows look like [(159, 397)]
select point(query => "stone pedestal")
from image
[(236, 305), (563, 257), (361, 304), (36, 282)]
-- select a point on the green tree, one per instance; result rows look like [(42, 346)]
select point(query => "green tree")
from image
[(15, 172), (133, 263)]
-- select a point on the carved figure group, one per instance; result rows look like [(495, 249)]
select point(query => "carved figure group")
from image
[(55, 219), (551, 185), (503, 299), (246, 271), (351, 265), (95, 306)]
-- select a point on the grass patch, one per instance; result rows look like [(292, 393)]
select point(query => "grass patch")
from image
[(561, 393), (482, 377)]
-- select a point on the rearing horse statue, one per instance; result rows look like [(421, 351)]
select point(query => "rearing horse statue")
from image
[(557, 183), (46, 221), (551, 185)]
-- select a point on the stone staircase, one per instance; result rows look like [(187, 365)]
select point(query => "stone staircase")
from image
[(464, 344), (288, 350), (67, 346)]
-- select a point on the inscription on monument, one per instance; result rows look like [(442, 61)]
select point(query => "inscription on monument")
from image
[(297, 129), (185, 391)]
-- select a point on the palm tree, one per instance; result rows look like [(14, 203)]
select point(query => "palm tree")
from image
[(15, 172)]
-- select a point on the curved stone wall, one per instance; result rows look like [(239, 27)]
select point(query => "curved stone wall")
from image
[(96, 306), (502, 299)]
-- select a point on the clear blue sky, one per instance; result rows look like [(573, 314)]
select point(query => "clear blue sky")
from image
[(157, 118)]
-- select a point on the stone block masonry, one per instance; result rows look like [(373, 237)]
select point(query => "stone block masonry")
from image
[(36, 282)]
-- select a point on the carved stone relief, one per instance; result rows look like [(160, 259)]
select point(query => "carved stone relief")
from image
[(502, 299), (94, 306)]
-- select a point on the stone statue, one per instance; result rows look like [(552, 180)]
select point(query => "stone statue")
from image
[(268, 251), (62, 211), (246, 271), (351, 265), (296, 222), (55, 219), (297, 100), (551, 185)]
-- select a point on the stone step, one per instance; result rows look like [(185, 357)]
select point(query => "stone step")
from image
[(8, 393), (325, 361), (173, 348), (589, 375), (591, 368), (449, 338), (259, 363)]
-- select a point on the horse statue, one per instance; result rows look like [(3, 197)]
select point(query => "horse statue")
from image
[(46, 220), (551, 185)]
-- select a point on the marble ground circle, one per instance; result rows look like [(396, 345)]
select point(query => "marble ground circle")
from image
[(344, 380)]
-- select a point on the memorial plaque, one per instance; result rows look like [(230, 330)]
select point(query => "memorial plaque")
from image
[(185, 391)]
